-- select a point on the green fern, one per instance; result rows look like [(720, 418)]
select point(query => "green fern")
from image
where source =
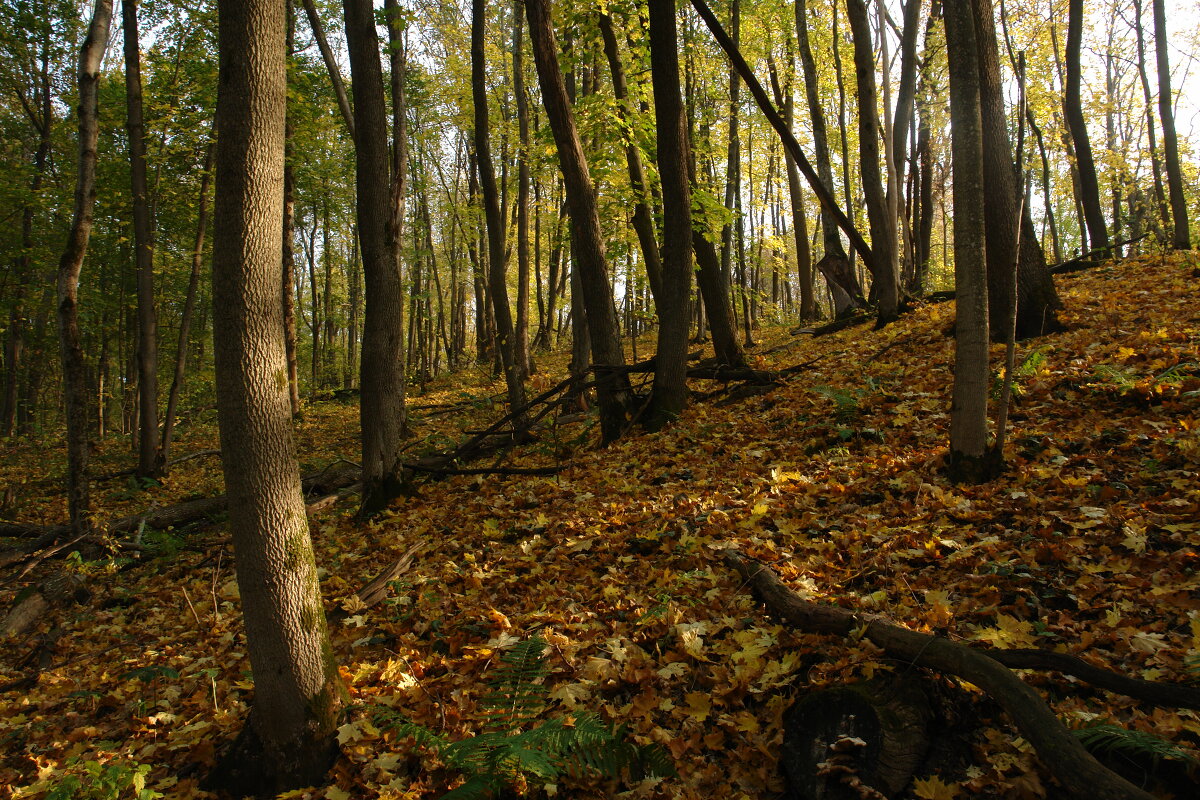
[(1106, 738), (511, 747)]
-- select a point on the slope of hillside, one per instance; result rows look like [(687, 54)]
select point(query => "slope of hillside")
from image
[(1088, 544)]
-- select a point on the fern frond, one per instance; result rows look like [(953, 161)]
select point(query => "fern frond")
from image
[(1108, 738), (477, 787), (386, 718), (516, 694)]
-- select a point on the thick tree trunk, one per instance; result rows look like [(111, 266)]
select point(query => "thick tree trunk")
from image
[(75, 388), (381, 409), (968, 415), (288, 740), (613, 392), (1181, 237), (1089, 187), (149, 465), (670, 393)]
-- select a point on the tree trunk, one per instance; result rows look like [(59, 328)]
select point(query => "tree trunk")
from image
[(521, 333), (670, 393), (288, 740), (1037, 299), (834, 264), (1089, 188), (1181, 236), (331, 65), (1160, 194), (804, 266), (149, 465), (613, 390), (968, 415), (496, 273), (381, 410), (189, 305), (643, 219), (75, 390), (289, 253), (884, 268)]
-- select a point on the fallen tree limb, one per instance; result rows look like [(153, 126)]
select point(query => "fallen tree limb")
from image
[(1091, 258), (177, 515), (1167, 695), (1072, 765)]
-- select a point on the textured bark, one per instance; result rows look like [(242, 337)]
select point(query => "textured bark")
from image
[(381, 410), (670, 393), (885, 272), (75, 385), (496, 274), (1089, 187), (614, 395), (149, 463), (288, 740), (1180, 237), (1037, 300), (968, 415)]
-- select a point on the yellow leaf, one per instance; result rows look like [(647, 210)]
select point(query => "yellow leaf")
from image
[(933, 788), (699, 705)]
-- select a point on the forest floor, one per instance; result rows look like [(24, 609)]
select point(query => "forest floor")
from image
[(1089, 544)]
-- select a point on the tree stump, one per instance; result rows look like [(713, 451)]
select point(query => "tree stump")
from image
[(888, 715)]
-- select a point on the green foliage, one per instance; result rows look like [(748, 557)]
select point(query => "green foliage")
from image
[(1106, 738), (113, 781), (512, 747), (845, 401)]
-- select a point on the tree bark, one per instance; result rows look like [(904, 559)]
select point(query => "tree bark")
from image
[(149, 464), (1181, 236), (968, 414), (670, 394), (1156, 167), (613, 390), (75, 388), (381, 410), (288, 740), (1089, 187)]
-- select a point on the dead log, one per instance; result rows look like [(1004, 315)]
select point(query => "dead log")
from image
[(1066, 759)]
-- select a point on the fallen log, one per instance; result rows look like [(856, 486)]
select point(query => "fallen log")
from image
[(1064, 756), (175, 516)]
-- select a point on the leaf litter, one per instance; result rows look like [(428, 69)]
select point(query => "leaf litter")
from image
[(1087, 544)]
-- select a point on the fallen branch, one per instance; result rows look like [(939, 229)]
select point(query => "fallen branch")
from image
[(1072, 765), (1091, 258), (554, 470)]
